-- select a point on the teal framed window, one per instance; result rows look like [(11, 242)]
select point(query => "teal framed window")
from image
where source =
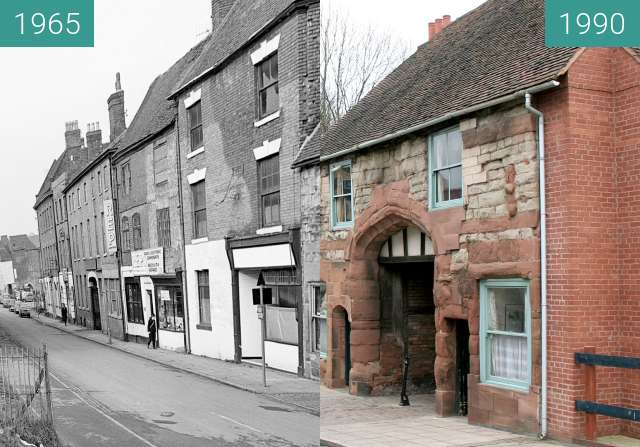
[(341, 195), (445, 167), (505, 333)]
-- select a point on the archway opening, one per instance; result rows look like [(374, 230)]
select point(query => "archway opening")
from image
[(407, 312)]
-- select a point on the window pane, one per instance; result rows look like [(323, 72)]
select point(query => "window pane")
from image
[(506, 310), (455, 183), (342, 181), (440, 150), (442, 186), (454, 147), (509, 357), (321, 335)]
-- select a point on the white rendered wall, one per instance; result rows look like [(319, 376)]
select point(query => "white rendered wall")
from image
[(218, 342)]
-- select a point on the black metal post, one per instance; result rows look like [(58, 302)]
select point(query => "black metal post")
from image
[(404, 399)]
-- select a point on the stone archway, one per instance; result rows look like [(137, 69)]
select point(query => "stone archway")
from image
[(391, 210)]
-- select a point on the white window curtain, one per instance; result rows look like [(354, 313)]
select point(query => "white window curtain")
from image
[(509, 353), (509, 357)]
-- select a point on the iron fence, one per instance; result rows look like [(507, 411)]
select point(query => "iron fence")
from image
[(25, 392)]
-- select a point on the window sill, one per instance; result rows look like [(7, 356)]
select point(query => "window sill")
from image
[(496, 383), (193, 153), (269, 230), (343, 226), (267, 119), (202, 240), (447, 205), (204, 327)]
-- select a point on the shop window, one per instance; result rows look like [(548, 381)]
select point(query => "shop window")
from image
[(134, 302), (319, 319), (170, 309), (204, 301), (282, 316), (268, 90), (269, 184), (445, 161), (505, 333), (341, 195)]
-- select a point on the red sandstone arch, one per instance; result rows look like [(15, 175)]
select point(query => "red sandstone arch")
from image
[(391, 210)]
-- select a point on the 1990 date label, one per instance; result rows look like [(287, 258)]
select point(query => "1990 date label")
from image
[(592, 23), (46, 23)]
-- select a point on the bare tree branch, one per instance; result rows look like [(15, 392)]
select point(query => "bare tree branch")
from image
[(354, 59)]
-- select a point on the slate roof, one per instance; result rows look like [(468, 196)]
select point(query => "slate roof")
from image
[(156, 112), (493, 51), (244, 21), (21, 242)]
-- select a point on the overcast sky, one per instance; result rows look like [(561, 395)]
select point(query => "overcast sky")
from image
[(44, 88)]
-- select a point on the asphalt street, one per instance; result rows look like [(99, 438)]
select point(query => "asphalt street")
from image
[(105, 397)]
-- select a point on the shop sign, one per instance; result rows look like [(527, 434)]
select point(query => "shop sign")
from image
[(110, 227), (147, 262)]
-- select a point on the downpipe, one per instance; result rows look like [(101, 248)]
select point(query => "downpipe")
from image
[(543, 265)]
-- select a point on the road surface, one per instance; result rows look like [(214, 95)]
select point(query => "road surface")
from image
[(105, 397)]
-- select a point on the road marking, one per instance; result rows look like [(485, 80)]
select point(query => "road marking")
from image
[(237, 422), (103, 413)]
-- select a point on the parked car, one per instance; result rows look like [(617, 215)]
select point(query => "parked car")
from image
[(25, 306), (12, 304), (6, 301)]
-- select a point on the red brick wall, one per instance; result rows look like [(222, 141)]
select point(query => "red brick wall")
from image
[(590, 170), (627, 132)]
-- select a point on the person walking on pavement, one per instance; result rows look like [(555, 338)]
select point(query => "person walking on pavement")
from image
[(151, 327), (64, 314)]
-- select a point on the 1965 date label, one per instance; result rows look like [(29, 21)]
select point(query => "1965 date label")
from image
[(47, 23)]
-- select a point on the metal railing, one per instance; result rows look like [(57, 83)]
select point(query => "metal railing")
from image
[(25, 392)]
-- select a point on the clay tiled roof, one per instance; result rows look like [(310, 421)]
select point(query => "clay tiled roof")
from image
[(493, 51)]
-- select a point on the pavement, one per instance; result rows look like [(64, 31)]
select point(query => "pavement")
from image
[(281, 386), (108, 397), (355, 421)]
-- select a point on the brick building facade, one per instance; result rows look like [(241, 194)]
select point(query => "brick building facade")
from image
[(244, 109), (149, 216), (432, 228)]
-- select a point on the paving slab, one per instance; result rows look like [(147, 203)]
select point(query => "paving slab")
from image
[(356, 421)]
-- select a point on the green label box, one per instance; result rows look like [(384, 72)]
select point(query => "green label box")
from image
[(46, 23), (592, 23)]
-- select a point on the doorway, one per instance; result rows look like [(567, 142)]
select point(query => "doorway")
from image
[(95, 305), (462, 367), (408, 324), (341, 347)]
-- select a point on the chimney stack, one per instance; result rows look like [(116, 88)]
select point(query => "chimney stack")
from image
[(94, 139), (115, 102), (219, 10), (438, 25), (72, 135)]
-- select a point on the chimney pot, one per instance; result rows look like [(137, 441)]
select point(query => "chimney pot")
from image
[(117, 121), (436, 27)]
